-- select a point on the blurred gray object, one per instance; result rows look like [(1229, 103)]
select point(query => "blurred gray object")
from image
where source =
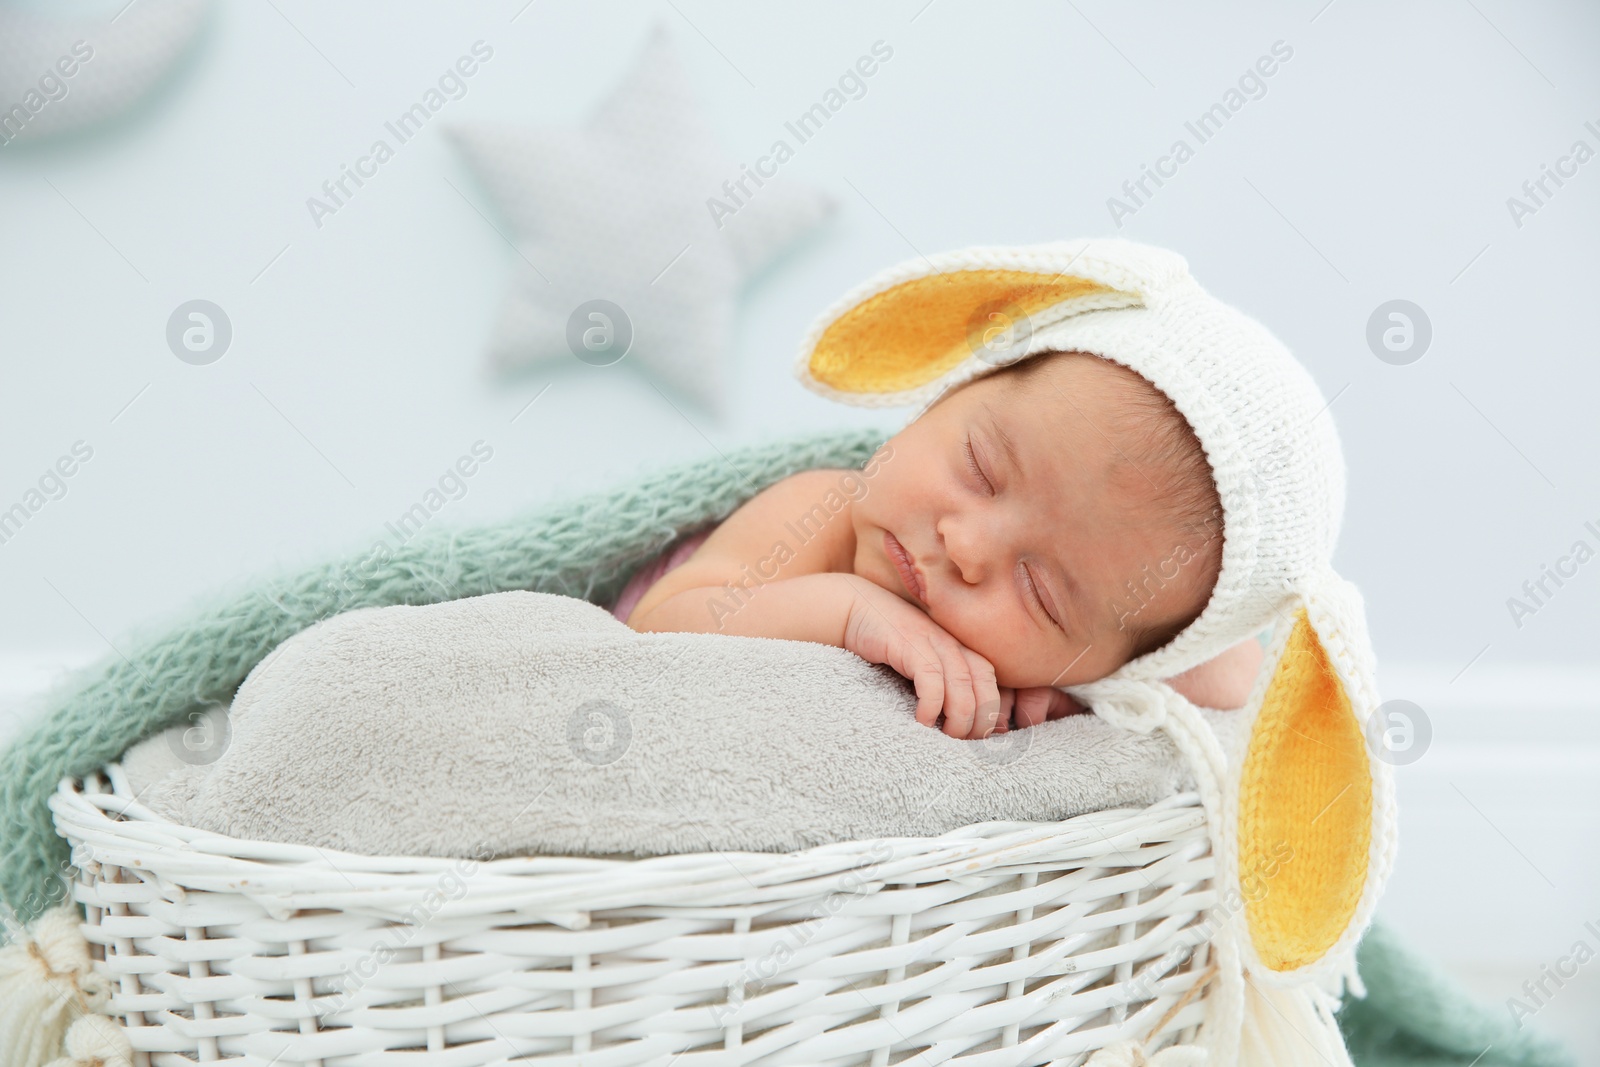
[(60, 72)]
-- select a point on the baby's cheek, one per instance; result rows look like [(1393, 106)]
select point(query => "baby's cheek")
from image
[(998, 637), (1025, 656)]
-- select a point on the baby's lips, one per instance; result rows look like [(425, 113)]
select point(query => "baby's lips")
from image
[(900, 559)]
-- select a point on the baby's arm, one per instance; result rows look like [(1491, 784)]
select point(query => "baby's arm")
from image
[(744, 552), (815, 596)]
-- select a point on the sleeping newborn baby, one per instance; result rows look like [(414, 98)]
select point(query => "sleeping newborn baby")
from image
[(1037, 527)]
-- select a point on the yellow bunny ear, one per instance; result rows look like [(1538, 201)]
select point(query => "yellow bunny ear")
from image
[(905, 330), (917, 331), (1315, 808)]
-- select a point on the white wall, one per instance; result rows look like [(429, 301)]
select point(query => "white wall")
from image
[(1376, 166)]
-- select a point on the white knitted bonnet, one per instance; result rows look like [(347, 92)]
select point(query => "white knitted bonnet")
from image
[(915, 331)]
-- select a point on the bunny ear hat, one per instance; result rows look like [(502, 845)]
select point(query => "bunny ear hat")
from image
[(1306, 801)]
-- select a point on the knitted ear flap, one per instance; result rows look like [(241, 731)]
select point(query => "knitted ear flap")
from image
[(1315, 808), (903, 334)]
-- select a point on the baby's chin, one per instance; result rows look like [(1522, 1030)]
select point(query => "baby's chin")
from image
[(1027, 676)]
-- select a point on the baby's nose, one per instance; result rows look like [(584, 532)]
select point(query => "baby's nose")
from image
[(967, 558), (977, 543)]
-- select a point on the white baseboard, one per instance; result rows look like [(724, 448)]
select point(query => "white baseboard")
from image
[(1499, 818)]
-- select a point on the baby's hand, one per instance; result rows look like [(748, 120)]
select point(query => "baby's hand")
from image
[(1022, 708), (948, 676)]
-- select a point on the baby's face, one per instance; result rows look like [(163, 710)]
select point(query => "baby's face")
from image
[(1024, 552)]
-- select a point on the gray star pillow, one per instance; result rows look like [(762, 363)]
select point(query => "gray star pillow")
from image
[(628, 242)]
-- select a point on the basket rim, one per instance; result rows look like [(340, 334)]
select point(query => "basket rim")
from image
[(116, 828)]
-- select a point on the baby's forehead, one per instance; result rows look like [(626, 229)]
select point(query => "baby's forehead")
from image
[(1095, 377), (1111, 398), (1113, 415)]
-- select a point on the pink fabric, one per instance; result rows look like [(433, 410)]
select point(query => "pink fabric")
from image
[(651, 573)]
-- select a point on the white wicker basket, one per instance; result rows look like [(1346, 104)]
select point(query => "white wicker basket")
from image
[(999, 944)]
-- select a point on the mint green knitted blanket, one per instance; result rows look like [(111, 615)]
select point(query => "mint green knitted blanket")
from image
[(584, 547)]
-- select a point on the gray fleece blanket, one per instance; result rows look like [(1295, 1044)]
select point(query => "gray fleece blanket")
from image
[(518, 723)]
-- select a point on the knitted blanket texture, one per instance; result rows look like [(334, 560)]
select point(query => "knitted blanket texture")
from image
[(584, 547)]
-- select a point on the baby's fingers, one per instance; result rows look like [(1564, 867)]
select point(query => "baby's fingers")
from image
[(960, 705), (1008, 703), (1033, 705), (986, 694), (972, 696), (927, 678), (1063, 704)]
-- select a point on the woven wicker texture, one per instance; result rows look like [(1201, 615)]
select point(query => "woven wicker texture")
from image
[(1000, 944), (583, 547)]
